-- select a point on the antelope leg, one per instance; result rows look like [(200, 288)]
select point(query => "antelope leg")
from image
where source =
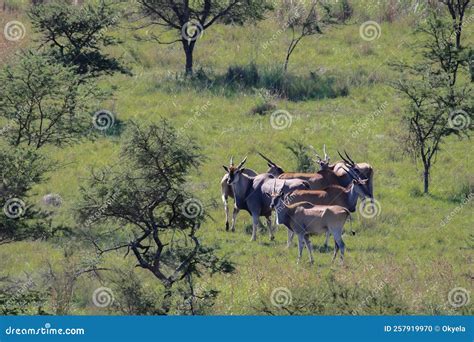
[(300, 245), (270, 228), (309, 247), (336, 249), (254, 227), (340, 243), (289, 242), (326, 242), (226, 209), (234, 217)]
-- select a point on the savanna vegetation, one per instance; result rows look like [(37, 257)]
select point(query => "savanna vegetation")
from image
[(112, 146)]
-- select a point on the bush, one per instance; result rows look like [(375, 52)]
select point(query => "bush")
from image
[(304, 162), (265, 102), (263, 108), (20, 297), (246, 76), (131, 297), (334, 297)]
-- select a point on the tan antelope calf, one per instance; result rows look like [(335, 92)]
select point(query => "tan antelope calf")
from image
[(304, 219)]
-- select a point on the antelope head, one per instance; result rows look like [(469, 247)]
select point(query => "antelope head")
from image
[(274, 169), (323, 163), (276, 195), (351, 164), (361, 186), (233, 172)]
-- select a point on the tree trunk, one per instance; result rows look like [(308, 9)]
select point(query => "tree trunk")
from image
[(188, 51), (166, 306), (189, 63), (426, 179)]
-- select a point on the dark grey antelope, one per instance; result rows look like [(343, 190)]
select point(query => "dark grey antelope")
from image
[(251, 194), (226, 192), (226, 189), (304, 219)]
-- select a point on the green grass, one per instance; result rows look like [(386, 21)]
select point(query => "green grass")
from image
[(405, 246)]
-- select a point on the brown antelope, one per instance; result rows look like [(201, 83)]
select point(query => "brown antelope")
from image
[(251, 194), (317, 181), (303, 218), (362, 170), (333, 195)]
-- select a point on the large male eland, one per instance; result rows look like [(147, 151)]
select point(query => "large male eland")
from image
[(251, 194)]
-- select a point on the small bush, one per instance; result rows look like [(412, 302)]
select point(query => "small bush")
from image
[(263, 108), (244, 76), (265, 102), (300, 151), (342, 11)]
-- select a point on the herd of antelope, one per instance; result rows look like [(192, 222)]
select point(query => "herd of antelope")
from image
[(306, 203)]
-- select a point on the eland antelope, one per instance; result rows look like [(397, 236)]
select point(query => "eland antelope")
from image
[(251, 194), (363, 170), (317, 181), (226, 189), (304, 218), (226, 192), (333, 195), (341, 169)]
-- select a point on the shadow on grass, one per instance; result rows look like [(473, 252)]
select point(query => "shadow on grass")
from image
[(249, 78)]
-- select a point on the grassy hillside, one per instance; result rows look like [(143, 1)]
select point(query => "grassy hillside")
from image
[(404, 260)]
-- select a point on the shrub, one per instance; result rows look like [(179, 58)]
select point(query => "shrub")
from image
[(246, 76), (263, 108), (131, 297), (265, 102), (335, 297), (300, 151)]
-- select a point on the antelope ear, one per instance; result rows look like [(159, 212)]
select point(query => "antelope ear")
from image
[(225, 168), (269, 165)]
